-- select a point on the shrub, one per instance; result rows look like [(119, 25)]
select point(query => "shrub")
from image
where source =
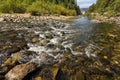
[(91, 8), (38, 7), (42, 8), (106, 7), (57, 15), (12, 7), (110, 13)]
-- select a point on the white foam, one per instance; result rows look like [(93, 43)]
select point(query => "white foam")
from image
[(90, 50), (36, 48), (54, 40)]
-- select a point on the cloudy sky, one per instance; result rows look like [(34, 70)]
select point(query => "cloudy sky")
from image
[(85, 3)]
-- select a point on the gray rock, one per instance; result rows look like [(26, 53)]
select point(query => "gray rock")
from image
[(2, 19)]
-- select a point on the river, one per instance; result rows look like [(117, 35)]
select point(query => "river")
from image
[(78, 49), (87, 33), (99, 44)]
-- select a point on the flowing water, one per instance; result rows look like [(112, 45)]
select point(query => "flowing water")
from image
[(88, 35), (86, 48)]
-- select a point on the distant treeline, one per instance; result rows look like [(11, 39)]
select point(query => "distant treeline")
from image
[(40, 7), (106, 7)]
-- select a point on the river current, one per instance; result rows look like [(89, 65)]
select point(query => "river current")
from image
[(81, 49)]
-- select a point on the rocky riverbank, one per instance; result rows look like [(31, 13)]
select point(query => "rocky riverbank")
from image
[(27, 17), (100, 18), (35, 48)]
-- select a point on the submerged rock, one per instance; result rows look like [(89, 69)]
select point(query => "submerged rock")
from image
[(35, 38), (10, 43), (27, 56)]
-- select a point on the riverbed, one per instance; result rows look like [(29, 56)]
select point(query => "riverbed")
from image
[(76, 49)]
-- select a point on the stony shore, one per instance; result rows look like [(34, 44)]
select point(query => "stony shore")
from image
[(100, 18), (26, 17)]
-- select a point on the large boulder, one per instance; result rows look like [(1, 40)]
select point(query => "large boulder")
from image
[(19, 71)]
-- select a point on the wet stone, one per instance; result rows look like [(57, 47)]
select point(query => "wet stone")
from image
[(43, 42), (10, 43), (35, 38), (27, 56), (19, 71), (3, 57)]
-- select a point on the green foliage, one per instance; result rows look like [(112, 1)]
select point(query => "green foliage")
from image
[(11, 6), (106, 7), (37, 8), (117, 5), (57, 15), (110, 13), (91, 8), (40, 7)]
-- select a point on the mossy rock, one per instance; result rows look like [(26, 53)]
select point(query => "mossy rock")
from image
[(38, 78), (35, 38), (13, 60), (55, 70), (79, 76)]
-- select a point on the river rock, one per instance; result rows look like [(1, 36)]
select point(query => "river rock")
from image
[(35, 39), (19, 71), (20, 57), (44, 42), (38, 78), (55, 72), (10, 62), (10, 43), (3, 57), (1, 19), (27, 56), (48, 35)]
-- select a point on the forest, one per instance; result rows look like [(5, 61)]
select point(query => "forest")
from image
[(106, 7), (40, 7)]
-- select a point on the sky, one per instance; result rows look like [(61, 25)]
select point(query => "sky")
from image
[(85, 3)]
